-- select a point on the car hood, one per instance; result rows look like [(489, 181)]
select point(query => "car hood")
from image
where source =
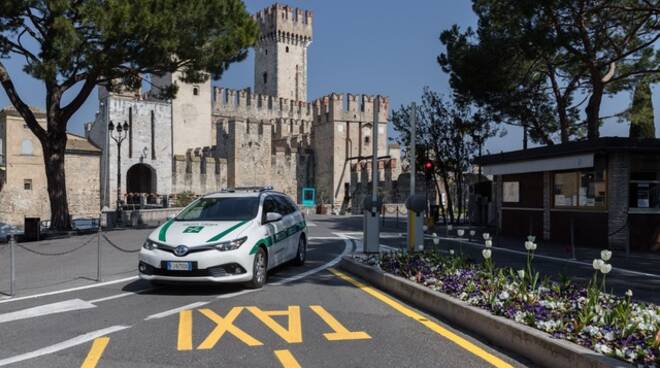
[(191, 233)]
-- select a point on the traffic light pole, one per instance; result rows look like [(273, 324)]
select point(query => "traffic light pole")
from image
[(415, 236), (371, 225)]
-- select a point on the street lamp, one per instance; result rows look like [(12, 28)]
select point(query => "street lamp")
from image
[(121, 134)]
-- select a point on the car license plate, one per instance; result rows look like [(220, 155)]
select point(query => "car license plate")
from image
[(179, 266)]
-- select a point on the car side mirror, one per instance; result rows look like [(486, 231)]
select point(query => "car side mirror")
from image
[(170, 217), (273, 217)]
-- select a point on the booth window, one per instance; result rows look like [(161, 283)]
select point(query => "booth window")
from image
[(27, 184), (644, 189), (584, 189)]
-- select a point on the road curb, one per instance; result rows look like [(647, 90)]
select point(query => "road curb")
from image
[(537, 346)]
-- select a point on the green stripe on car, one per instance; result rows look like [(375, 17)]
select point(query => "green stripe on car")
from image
[(163, 230), (222, 234), (278, 237)]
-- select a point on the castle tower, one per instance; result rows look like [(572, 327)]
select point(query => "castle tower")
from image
[(280, 67), (191, 111)]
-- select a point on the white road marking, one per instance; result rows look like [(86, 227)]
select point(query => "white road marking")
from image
[(62, 345), (175, 310), (46, 309), (69, 290), (311, 224), (237, 293), (325, 238), (117, 296)]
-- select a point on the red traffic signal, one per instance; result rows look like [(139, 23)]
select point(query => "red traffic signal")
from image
[(428, 166)]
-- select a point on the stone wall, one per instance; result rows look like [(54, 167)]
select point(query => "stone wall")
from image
[(618, 177), (199, 171)]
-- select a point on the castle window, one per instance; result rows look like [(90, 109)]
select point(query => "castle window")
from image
[(266, 51), (265, 78), (27, 184), (195, 91), (26, 147), (287, 49), (366, 140)]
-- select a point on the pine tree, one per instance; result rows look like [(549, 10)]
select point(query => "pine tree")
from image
[(640, 114)]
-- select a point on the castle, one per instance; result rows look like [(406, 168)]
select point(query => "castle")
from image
[(209, 138)]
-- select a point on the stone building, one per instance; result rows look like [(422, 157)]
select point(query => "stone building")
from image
[(209, 138), (23, 186)]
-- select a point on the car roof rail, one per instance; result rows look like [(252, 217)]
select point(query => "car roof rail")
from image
[(248, 189)]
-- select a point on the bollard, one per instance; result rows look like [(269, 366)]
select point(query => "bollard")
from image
[(12, 265), (98, 251)]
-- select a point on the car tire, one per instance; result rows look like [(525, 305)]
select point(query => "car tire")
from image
[(259, 270), (301, 253)]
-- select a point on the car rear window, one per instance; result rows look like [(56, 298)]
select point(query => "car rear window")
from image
[(221, 209)]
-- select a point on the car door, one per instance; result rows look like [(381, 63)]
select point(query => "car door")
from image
[(289, 241), (297, 227), (275, 231)]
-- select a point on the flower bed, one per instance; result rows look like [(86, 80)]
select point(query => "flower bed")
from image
[(609, 324)]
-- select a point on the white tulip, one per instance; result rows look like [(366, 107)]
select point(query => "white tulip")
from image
[(486, 253), (460, 232), (436, 241), (528, 245), (521, 274), (486, 236), (425, 227), (605, 268), (597, 263), (629, 293), (434, 235), (532, 246), (488, 243), (451, 252), (605, 255), (472, 232)]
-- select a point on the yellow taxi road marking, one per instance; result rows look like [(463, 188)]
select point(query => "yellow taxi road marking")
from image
[(94, 355), (458, 340), (225, 324), (286, 359), (184, 340), (340, 332), (292, 334)]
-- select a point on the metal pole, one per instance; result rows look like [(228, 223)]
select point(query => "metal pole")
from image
[(374, 160), (12, 257), (119, 181), (98, 250), (572, 238), (413, 144)]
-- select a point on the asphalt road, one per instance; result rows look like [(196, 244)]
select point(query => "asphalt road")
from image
[(309, 316)]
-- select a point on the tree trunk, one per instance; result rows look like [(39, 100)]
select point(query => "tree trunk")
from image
[(54, 148), (593, 108), (450, 205)]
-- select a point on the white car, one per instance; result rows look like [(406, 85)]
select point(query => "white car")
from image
[(230, 236)]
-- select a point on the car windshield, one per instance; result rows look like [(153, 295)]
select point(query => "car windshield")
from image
[(221, 209)]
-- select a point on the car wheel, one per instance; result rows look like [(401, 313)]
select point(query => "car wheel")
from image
[(301, 254), (259, 270)]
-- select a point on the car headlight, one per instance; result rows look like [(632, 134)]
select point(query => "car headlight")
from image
[(230, 245), (149, 245)]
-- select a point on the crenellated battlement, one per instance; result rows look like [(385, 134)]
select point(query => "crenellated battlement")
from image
[(285, 24), (254, 106), (350, 107)]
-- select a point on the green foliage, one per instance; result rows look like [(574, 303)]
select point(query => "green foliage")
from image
[(184, 198), (527, 59), (642, 124), (72, 46)]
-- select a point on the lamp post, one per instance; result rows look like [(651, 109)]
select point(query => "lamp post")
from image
[(121, 134)]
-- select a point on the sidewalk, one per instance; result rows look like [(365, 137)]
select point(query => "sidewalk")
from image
[(50, 264)]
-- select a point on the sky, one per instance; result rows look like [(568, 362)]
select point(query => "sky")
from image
[(385, 47)]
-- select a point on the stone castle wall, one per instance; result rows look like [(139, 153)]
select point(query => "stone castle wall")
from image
[(199, 171)]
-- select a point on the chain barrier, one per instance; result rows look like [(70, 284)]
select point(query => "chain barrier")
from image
[(40, 253), (112, 244)]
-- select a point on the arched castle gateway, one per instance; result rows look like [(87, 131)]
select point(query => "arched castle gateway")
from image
[(208, 137)]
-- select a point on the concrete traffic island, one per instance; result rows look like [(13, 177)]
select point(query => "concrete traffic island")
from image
[(537, 346)]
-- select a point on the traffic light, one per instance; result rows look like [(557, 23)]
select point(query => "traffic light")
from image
[(428, 169)]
